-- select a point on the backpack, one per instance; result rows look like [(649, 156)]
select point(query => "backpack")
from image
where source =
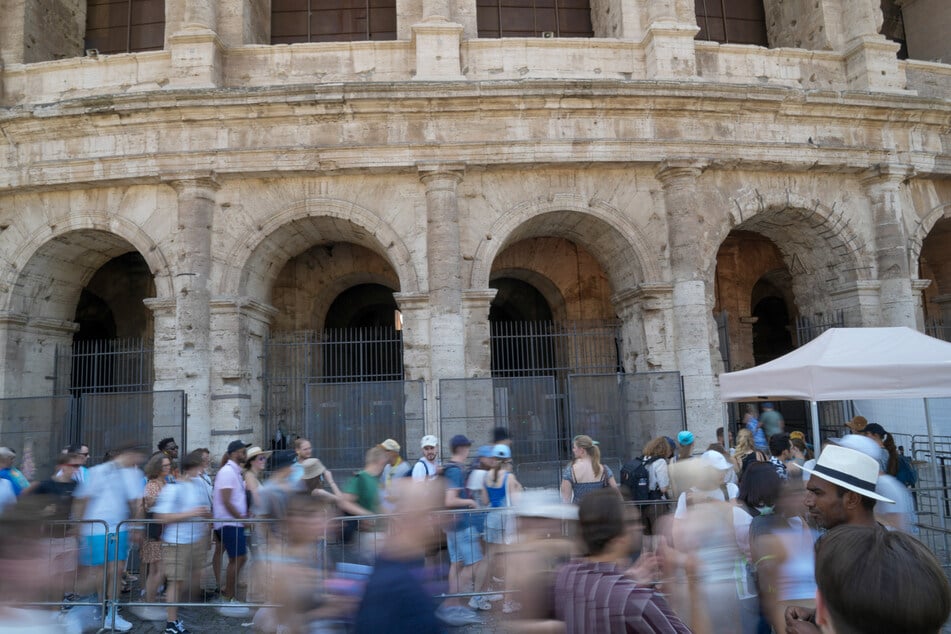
[(409, 474), (907, 474), (635, 478)]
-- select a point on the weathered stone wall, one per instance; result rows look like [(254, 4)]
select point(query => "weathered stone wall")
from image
[(53, 29)]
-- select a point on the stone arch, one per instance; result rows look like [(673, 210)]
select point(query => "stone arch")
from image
[(922, 228), (330, 291), (819, 246), (264, 249), (85, 243), (548, 289), (619, 246)]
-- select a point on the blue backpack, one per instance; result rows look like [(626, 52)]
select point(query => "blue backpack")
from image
[(907, 474)]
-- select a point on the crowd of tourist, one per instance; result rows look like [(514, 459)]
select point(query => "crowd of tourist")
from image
[(755, 538)]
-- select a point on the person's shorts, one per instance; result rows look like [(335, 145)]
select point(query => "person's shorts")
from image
[(233, 539), (464, 546), (93, 549), (183, 561)]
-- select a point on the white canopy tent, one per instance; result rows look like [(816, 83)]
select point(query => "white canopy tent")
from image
[(849, 364)]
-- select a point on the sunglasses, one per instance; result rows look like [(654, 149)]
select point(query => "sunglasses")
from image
[(261, 458)]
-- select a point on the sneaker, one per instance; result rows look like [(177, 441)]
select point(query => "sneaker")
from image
[(511, 606), (457, 616), (497, 580), (170, 628), (495, 597), (181, 627), (71, 620), (230, 607), (480, 603), (114, 621)]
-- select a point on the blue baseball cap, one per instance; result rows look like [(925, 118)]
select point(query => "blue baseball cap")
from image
[(485, 451), (459, 440)]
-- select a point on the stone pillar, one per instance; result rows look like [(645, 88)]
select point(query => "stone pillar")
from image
[(415, 310), (437, 39), (693, 327), (898, 301), (860, 303), (669, 41), (196, 51), (238, 328), (184, 342), (871, 60), (475, 317), (28, 353), (646, 327)]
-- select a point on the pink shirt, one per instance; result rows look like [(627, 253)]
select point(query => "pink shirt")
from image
[(229, 477)]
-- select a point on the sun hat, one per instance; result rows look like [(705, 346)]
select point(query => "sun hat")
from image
[(312, 468), (254, 452), (861, 443), (429, 441), (849, 469), (857, 424), (502, 451), (716, 460), (685, 437), (390, 445), (542, 503)]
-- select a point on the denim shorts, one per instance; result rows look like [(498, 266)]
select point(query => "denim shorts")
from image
[(464, 546), (233, 539), (93, 549)]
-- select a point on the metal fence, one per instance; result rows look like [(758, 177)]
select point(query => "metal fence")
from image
[(105, 365), (936, 328), (808, 328), (343, 420), (294, 360), (42, 426)]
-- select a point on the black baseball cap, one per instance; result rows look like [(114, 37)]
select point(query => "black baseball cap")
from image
[(236, 445)]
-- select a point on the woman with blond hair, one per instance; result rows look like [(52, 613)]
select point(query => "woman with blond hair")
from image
[(745, 452), (585, 473)]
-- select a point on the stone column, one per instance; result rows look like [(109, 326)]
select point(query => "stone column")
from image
[(871, 60), (692, 319), (437, 40), (898, 301), (196, 51), (28, 353), (475, 318), (188, 335), (415, 310), (238, 327), (646, 326), (669, 40)]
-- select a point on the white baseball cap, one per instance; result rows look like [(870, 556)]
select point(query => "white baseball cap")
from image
[(429, 441)]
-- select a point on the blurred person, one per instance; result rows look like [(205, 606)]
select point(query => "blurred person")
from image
[(361, 496), (704, 534), (169, 447), (685, 440), (479, 466), (10, 473), (746, 452), (465, 550), (873, 581), (317, 479), (206, 483), (498, 488), (799, 450), (595, 594), (752, 424), (585, 473), (772, 421), (501, 436), (230, 504), (395, 467), (729, 475), (888, 454), (83, 450), (779, 452), (184, 540), (56, 493), (533, 561), (157, 471), (396, 599), (303, 449), (841, 488), (428, 466), (296, 580), (901, 514), (112, 492), (781, 543), (274, 493), (725, 439), (7, 496)]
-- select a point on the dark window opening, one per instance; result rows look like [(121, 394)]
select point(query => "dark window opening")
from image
[(296, 21), (534, 18), (125, 26), (732, 21), (893, 26)]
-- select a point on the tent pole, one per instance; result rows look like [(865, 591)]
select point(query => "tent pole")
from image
[(934, 472), (816, 442)]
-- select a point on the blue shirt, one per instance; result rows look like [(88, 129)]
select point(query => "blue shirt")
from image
[(456, 479), (396, 601)]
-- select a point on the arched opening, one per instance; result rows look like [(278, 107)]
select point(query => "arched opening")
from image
[(362, 336), (935, 265), (520, 319), (771, 328)]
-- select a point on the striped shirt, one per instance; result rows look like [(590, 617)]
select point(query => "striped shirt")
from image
[(596, 597)]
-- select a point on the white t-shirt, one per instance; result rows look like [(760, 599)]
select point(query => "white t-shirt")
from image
[(7, 496), (424, 469), (658, 476), (716, 494), (108, 489), (184, 495)]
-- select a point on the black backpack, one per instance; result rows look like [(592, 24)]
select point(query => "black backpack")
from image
[(635, 478)]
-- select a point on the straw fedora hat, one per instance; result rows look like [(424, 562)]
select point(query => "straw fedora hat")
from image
[(848, 469), (254, 452)]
